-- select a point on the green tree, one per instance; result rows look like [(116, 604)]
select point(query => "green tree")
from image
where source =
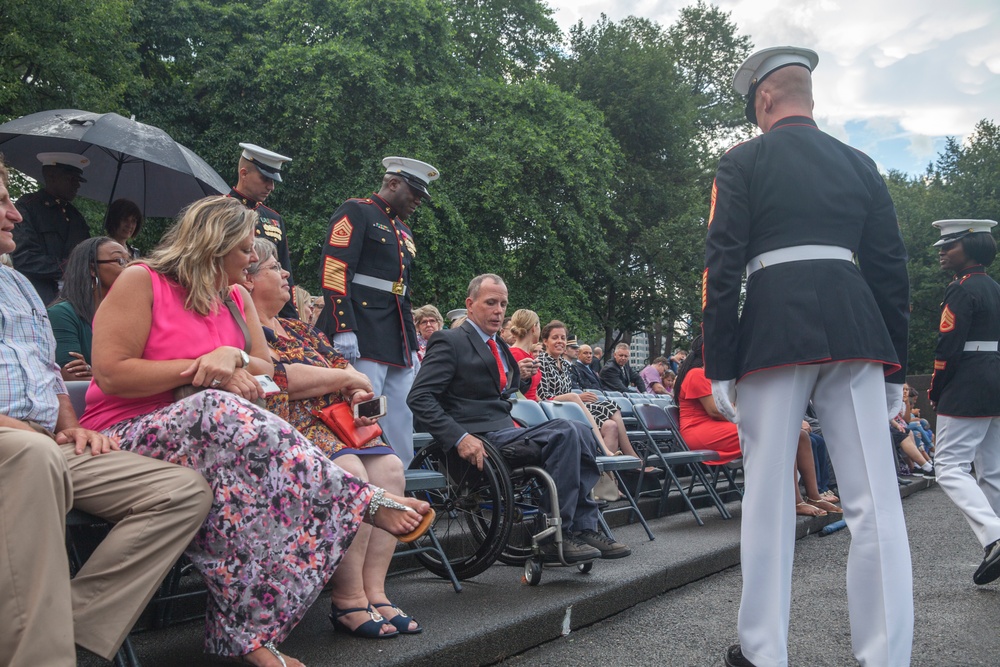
[(505, 39), (653, 233), (65, 54)]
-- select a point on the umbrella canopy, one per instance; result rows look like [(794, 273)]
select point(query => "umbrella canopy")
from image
[(128, 159)]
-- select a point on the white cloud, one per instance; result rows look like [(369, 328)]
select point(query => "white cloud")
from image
[(922, 69)]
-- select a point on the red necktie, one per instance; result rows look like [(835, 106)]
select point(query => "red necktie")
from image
[(496, 355)]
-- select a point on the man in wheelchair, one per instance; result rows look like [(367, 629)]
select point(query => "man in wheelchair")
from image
[(461, 392)]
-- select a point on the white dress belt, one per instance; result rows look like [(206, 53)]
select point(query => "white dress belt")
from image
[(397, 288), (797, 253), (981, 346)]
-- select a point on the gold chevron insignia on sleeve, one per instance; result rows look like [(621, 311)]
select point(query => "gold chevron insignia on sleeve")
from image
[(340, 234), (704, 289), (335, 275), (939, 365), (711, 210), (947, 321)]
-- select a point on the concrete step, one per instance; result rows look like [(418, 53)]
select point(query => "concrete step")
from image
[(496, 615)]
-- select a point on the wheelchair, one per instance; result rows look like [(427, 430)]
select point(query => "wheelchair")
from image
[(498, 513)]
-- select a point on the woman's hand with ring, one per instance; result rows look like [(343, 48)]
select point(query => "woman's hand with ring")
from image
[(219, 364), (78, 368)]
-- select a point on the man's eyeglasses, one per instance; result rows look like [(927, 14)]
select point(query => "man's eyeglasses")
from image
[(120, 261)]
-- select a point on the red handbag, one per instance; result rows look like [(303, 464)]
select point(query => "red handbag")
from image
[(340, 418)]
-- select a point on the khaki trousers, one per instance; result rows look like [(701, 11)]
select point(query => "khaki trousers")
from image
[(156, 507)]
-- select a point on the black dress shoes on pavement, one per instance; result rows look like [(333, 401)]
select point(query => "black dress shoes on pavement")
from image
[(989, 570), (734, 657)]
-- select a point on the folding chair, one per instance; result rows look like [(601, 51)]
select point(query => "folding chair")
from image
[(611, 464), (728, 470), (662, 445), (418, 481), (161, 606)]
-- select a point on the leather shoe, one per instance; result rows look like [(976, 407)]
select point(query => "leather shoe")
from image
[(989, 570), (609, 548), (574, 551), (735, 658)]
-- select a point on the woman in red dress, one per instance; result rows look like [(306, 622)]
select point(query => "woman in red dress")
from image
[(704, 427)]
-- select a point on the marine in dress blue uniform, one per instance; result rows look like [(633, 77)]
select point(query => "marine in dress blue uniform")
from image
[(811, 223), (259, 169), (52, 226), (965, 387), (365, 274)]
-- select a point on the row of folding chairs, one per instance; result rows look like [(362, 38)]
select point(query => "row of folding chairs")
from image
[(653, 429)]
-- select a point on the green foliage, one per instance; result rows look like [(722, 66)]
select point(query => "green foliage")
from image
[(65, 54)]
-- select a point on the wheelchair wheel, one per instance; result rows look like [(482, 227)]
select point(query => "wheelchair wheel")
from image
[(532, 572), (527, 519), (473, 521)]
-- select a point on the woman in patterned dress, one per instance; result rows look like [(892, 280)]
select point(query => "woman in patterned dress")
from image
[(283, 513), (556, 385), (312, 375)]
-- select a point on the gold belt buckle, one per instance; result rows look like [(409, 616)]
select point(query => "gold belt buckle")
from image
[(397, 288)]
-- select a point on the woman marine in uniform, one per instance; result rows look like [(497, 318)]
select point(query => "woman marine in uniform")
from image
[(965, 388)]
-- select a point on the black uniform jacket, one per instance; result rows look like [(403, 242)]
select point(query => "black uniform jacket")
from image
[(967, 384), (792, 186), (50, 230), (457, 389), (367, 237), (271, 226)]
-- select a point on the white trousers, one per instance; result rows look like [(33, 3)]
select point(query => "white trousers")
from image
[(395, 383), (960, 442), (850, 403)]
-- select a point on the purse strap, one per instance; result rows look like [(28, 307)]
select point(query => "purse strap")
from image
[(234, 311)]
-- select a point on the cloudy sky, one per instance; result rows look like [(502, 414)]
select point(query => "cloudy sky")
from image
[(895, 77)]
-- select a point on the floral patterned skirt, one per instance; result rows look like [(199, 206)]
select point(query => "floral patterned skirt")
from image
[(282, 517)]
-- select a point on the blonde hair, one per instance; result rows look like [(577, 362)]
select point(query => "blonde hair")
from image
[(302, 299), (193, 249), (522, 322)]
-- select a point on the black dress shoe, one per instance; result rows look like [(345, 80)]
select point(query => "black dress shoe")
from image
[(734, 657), (989, 570)]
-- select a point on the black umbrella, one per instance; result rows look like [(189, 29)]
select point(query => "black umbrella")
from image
[(128, 159)]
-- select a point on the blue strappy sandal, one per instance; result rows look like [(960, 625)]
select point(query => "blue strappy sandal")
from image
[(369, 629), (400, 620)]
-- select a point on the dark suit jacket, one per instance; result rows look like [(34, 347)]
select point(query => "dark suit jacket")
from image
[(457, 389), (613, 379), (583, 377)]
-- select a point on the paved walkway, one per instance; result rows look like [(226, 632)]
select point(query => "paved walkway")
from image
[(673, 602)]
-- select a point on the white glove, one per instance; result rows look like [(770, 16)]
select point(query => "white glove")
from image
[(894, 399), (347, 344), (724, 394)]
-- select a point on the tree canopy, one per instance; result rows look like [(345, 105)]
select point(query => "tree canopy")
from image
[(577, 166)]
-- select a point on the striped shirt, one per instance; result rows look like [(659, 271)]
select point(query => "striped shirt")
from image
[(29, 376)]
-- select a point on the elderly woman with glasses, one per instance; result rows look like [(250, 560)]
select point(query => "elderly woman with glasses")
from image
[(428, 320), (177, 348), (313, 375), (91, 269)]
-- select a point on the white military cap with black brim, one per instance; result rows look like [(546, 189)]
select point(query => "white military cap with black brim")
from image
[(418, 174), (760, 65), (268, 162), (955, 230), (456, 313), (71, 162)]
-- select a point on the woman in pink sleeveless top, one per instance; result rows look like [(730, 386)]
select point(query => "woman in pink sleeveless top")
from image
[(283, 513)]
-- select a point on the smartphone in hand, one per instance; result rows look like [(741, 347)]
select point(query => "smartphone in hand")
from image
[(372, 409)]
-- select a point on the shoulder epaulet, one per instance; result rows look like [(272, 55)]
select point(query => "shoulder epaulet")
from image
[(30, 197), (361, 200)]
